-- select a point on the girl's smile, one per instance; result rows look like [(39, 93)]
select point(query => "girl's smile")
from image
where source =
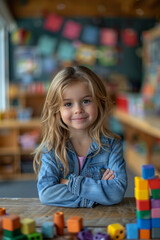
[(79, 109)]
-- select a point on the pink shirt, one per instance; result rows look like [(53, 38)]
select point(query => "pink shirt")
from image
[(81, 161)]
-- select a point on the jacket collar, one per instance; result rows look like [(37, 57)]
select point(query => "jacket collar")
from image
[(94, 145)]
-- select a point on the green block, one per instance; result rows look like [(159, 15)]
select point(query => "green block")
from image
[(20, 237), (12, 234), (155, 193), (144, 214), (34, 236)]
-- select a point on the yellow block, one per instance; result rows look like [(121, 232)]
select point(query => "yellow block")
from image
[(141, 183), (141, 194), (116, 231), (27, 226)]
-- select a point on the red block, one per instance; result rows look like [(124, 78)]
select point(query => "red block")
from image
[(154, 183), (143, 205)]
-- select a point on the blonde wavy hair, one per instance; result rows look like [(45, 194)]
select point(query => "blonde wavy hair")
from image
[(54, 132)]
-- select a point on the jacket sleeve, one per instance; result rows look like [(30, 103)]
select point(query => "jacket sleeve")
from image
[(105, 192), (51, 192)]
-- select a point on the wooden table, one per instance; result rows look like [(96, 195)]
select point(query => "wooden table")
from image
[(95, 219)]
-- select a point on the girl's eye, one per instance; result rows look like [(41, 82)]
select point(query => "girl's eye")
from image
[(68, 104), (85, 101)]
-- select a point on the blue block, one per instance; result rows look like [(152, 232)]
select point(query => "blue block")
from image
[(48, 229), (155, 222), (148, 171), (144, 223), (132, 231)]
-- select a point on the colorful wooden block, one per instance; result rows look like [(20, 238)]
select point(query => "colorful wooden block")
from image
[(144, 223), (155, 212), (116, 231), (155, 203), (143, 214), (155, 222), (155, 193), (141, 183), (2, 211), (59, 222), (155, 233), (144, 233), (12, 234), (148, 171), (74, 224), (143, 205), (27, 226), (154, 183), (47, 229), (141, 194), (132, 231), (11, 222), (34, 236), (19, 237)]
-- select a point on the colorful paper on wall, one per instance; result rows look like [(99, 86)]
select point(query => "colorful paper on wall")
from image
[(49, 64), (107, 56), (129, 37), (108, 37), (90, 34), (86, 54), (21, 37), (66, 51), (46, 45), (53, 23), (72, 30)]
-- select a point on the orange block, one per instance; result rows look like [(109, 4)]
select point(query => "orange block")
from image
[(74, 224), (144, 233), (11, 222), (2, 211), (59, 222)]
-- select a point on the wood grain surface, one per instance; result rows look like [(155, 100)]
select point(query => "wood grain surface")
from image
[(100, 216)]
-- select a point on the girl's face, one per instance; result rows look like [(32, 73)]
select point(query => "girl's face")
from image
[(79, 109)]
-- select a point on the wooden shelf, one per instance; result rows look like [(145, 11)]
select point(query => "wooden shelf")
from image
[(11, 153), (149, 124), (16, 124), (138, 129), (135, 160)]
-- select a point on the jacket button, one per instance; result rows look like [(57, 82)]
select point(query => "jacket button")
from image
[(61, 169), (102, 170)]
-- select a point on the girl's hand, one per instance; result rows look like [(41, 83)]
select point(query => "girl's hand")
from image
[(64, 181), (108, 175)]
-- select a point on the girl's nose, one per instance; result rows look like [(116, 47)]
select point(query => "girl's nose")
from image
[(78, 108)]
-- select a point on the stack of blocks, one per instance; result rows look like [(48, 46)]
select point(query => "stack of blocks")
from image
[(147, 195), (12, 228), (28, 229)]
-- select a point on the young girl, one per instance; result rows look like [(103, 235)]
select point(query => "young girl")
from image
[(79, 161)]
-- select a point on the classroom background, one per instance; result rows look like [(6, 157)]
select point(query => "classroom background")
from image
[(118, 40)]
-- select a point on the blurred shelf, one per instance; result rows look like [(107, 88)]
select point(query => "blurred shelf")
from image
[(139, 129), (149, 124), (11, 153), (14, 123)]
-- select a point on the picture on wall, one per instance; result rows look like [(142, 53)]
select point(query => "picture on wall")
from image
[(27, 64)]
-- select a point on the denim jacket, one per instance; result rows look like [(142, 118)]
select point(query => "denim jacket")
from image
[(84, 189)]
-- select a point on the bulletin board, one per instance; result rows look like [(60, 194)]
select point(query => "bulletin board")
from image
[(151, 62)]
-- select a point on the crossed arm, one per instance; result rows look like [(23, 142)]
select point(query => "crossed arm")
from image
[(108, 175)]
